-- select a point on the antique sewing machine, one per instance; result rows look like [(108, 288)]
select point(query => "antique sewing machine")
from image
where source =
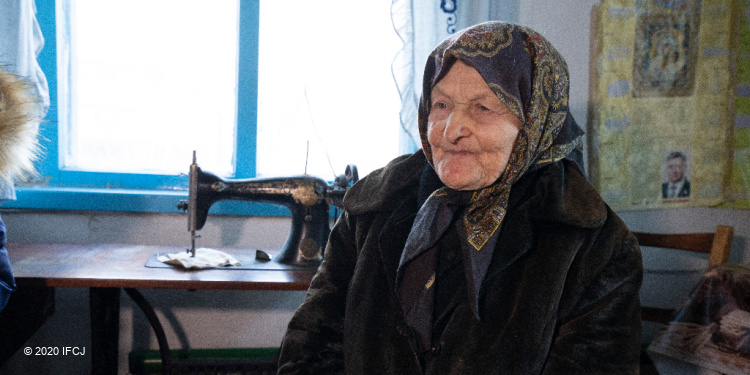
[(308, 199)]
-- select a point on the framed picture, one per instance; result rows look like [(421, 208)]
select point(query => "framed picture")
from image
[(676, 175), (665, 56)]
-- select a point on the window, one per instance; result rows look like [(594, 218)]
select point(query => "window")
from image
[(147, 82), (76, 180), (325, 81)]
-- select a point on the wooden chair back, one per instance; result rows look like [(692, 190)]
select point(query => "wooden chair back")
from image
[(717, 244)]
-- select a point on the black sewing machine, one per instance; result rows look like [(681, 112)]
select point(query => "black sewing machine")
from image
[(308, 199)]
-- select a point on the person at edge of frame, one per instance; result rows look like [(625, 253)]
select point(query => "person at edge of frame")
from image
[(20, 109)]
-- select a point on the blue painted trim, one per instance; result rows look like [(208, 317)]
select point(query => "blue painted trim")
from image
[(128, 200), (107, 180), (247, 90), (48, 165)]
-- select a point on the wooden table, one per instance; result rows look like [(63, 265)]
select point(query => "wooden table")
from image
[(106, 269)]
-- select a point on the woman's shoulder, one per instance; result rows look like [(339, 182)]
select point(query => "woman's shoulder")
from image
[(565, 195), (383, 189)]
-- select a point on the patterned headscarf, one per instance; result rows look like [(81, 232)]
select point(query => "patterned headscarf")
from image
[(531, 78)]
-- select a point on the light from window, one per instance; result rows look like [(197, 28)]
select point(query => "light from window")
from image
[(325, 85), (150, 82)]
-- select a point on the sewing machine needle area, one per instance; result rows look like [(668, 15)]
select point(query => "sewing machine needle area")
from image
[(308, 198)]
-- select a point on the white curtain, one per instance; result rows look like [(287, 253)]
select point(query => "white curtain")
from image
[(21, 41), (422, 24)]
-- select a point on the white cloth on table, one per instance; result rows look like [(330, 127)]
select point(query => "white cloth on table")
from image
[(204, 258)]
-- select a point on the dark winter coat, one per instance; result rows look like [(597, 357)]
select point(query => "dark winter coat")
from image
[(560, 297)]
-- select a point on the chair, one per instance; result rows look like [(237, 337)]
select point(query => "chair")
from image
[(717, 244)]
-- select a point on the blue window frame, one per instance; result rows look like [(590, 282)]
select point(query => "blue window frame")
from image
[(78, 190)]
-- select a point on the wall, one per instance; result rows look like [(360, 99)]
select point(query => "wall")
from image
[(258, 319)]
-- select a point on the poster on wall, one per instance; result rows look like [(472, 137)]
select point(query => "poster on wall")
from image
[(739, 188), (661, 115)]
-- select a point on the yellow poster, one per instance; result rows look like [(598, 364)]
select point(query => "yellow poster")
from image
[(739, 188), (663, 96)]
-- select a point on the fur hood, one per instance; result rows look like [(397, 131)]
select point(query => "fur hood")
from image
[(20, 113)]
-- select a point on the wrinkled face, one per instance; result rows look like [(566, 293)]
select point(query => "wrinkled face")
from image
[(470, 131), (675, 170)]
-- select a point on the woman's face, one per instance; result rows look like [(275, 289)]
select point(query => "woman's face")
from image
[(470, 131)]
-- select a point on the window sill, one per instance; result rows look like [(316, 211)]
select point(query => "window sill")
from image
[(127, 200)]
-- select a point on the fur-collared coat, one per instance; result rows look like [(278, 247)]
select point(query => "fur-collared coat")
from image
[(560, 296), (20, 109)]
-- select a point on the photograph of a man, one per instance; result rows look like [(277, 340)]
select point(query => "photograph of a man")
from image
[(677, 185)]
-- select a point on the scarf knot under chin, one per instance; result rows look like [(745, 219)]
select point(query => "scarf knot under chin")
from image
[(485, 213)]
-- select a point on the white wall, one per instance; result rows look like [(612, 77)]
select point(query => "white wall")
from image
[(258, 319)]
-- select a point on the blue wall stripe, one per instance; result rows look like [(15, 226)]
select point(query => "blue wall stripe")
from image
[(247, 87)]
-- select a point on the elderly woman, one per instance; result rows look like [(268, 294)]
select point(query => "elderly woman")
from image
[(486, 253)]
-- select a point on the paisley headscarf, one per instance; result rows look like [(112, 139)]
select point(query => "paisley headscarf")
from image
[(531, 78)]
